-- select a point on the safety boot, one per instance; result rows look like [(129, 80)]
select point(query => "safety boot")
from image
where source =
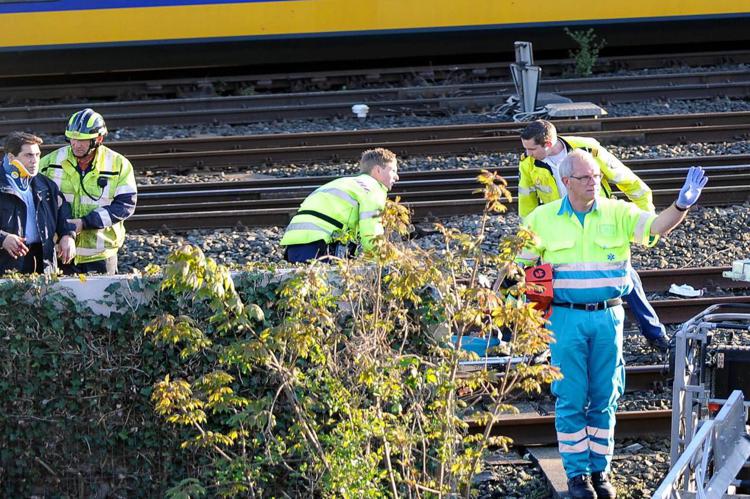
[(579, 487), (604, 489)]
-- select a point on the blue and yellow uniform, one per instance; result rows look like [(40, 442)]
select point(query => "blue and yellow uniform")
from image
[(103, 197), (590, 256), (538, 185)]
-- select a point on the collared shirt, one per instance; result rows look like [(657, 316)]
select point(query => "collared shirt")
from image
[(553, 162), (31, 231), (567, 208), (590, 260)]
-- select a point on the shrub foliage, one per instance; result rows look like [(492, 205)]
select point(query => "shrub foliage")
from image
[(320, 380)]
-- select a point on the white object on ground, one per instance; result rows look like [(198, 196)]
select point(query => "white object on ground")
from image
[(361, 110), (740, 271), (685, 290)]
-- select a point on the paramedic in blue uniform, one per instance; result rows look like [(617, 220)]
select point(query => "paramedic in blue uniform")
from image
[(540, 182), (586, 238)]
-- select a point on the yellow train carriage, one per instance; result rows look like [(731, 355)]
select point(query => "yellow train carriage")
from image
[(127, 34)]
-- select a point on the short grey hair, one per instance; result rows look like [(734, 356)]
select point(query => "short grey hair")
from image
[(576, 156)]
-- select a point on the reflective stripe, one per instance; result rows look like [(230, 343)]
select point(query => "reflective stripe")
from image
[(69, 197), (101, 240), (600, 449), (523, 191), (104, 215), (640, 227), (589, 283), (527, 255), (544, 188), (369, 214), (637, 194), (58, 173), (307, 226), (581, 446), (339, 194), (591, 266), (125, 189), (62, 155), (572, 436), (100, 203), (618, 175), (87, 251), (593, 431)]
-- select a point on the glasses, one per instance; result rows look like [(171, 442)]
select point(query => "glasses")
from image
[(589, 178)]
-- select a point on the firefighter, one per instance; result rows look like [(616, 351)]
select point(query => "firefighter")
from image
[(100, 186), (540, 183), (586, 238), (337, 215)]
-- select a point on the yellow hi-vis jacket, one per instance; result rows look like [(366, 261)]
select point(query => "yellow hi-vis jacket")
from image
[(590, 262), (350, 206), (103, 197), (536, 183)]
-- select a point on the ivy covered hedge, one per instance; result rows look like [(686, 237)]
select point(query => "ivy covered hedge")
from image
[(76, 417)]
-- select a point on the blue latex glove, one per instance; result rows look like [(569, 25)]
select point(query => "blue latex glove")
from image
[(691, 191)]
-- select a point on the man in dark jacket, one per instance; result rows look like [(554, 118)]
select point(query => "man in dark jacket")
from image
[(33, 213)]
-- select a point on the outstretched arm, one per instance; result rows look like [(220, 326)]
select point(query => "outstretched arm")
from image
[(689, 194)]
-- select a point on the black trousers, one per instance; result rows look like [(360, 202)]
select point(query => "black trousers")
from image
[(34, 260), (300, 253), (107, 266)]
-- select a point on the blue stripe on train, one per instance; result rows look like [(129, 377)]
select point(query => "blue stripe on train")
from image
[(60, 5)]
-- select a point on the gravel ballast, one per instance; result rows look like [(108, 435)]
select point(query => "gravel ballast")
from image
[(709, 237)]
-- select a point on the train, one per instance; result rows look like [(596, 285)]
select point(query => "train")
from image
[(41, 37)]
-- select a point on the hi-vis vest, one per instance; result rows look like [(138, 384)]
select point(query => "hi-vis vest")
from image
[(590, 262), (109, 175), (536, 183), (350, 206)]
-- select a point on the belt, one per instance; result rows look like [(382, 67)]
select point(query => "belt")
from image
[(591, 307)]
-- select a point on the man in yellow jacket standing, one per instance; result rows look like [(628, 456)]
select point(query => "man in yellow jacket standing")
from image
[(586, 239), (540, 183), (100, 186), (342, 211)]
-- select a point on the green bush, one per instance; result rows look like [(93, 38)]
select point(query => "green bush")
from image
[(347, 391), (587, 53)]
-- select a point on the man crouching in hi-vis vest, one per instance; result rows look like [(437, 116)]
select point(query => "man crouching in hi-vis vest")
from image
[(100, 186), (348, 206), (586, 238)]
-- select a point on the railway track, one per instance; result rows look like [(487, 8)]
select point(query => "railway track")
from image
[(420, 185), (262, 213), (246, 152), (428, 100), (200, 81), (268, 203), (535, 429)]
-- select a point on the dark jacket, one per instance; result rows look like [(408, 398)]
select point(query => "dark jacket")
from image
[(52, 214)]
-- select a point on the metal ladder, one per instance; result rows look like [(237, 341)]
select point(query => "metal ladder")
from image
[(706, 454)]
